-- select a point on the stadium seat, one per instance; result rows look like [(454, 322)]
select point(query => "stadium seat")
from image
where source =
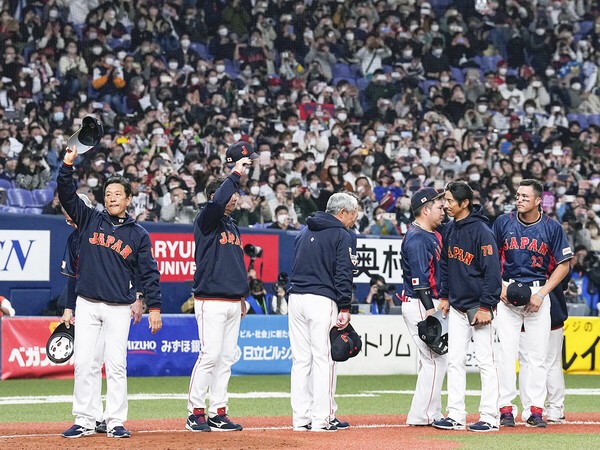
[(457, 74), (488, 63), (201, 50), (20, 197), (594, 119), (33, 210), (362, 83), (11, 210), (425, 85), (341, 70), (41, 197), (581, 118), (585, 26), (5, 184), (51, 184), (350, 80)]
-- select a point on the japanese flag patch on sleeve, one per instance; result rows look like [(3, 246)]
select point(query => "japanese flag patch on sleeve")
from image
[(415, 281)]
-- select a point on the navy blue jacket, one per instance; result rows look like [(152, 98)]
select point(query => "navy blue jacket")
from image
[(470, 268), (69, 266), (323, 260), (110, 255), (220, 270), (558, 303)]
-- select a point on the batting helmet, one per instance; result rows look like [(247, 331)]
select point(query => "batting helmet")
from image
[(518, 294), (87, 136), (59, 347), (345, 343), (434, 332)]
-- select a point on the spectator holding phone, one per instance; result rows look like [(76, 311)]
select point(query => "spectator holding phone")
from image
[(384, 224), (282, 219)]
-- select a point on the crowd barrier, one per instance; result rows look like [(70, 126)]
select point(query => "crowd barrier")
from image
[(263, 347)]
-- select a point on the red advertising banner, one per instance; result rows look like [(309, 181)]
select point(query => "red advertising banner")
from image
[(24, 349), (174, 253)]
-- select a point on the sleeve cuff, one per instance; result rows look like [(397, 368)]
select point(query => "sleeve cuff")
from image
[(67, 164), (154, 309), (345, 310)]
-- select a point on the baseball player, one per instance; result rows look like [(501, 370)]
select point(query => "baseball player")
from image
[(534, 252), (69, 266), (470, 290), (220, 288), (320, 297), (420, 259), (113, 249), (555, 384)]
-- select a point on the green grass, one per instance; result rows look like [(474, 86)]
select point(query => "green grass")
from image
[(503, 441), (138, 409)]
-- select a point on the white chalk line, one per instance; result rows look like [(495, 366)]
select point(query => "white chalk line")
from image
[(289, 428)]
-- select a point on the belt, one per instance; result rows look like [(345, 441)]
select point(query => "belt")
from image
[(536, 283)]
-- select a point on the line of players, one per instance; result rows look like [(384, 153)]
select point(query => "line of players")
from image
[(464, 268)]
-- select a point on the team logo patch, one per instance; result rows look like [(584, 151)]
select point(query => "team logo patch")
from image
[(415, 281), (566, 251), (244, 150), (353, 258)]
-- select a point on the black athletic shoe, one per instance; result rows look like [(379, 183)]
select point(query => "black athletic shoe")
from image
[(222, 423), (536, 421), (507, 419), (339, 424), (197, 422)]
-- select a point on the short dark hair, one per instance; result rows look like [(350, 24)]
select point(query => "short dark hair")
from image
[(461, 191), (537, 186), (118, 179), (212, 187)]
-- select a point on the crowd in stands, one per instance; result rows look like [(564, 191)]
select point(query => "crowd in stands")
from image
[(378, 97)]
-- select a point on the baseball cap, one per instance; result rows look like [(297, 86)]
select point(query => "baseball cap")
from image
[(239, 150), (87, 136), (518, 294), (423, 196), (345, 343)]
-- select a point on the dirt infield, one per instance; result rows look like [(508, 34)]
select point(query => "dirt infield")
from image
[(381, 432)]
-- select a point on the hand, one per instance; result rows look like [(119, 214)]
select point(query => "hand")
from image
[(535, 302), (154, 321), (70, 156), (343, 319), (429, 312), (503, 297), (482, 317), (242, 165), (244, 308), (444, 306), (67, 317), (137, 308)]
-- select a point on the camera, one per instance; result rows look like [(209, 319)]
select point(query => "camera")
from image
[(253, 251), (282, 280)]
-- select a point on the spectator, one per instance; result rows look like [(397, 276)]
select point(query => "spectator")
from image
[(179, 209), (379, 296), (371, 55), (282, 219)]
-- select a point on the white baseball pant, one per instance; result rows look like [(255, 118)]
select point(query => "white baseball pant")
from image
[(95, 318), (460, 332), (313, 378), (426, 404), (555, 383), (218, 330), (97, 409), (535, 349)]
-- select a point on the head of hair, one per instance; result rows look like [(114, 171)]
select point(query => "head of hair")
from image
[(537, 186), (212, 187), (341, 200), (461, 191), (118, 179)]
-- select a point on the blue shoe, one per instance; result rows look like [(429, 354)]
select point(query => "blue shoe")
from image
[(77, 431), (536, 421), (482, 427), (339, 424), (221, 422), (507, 419), (119, 432), (197, 422), (448, 424), (101, 427)]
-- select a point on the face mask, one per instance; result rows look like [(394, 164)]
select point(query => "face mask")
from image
[(540, 31), (561, 190), (530, 110), (92, 182), (247, 73), (334, 171), (437, 52), (342, 117), (524, 151), (173, 65), (237, 136), (434, 160), (549, 72), (576, 86), (444, 79), (435, 28), (557, 151), (482, 108), (350, 37), (213, 80), (220, 68), (195, 80), (53, 14), (596, 208), (142, 25), (109, 61), (536, 84), (413, 27), (22, 83), (595, 182), (517, 159), (363, 26), (502, 71), (110, 15), (223, 32), (261, 100), (380, 133), (282, 219), (372, 139), (474, 177), (313, 185), (58, 116), (407, 53), (291, 128), (96, 50), (254, 190), (185, 43), (38, 139)]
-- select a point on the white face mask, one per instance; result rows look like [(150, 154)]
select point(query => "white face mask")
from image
[(282, 218), (379, 217), (540, 31), (255, 190), (38, 139), (185, 43), (434, 160), (372, 139), (502, 71), (213, 80), (530, 110), (220, 68), (557, 151), (342, 117), (437, 52), (550, 72), (223, 32), (474, 177), (334, 171), (195, 80), (435, 28), (96, 50), (361, 214), (595, 182), (292, 128), (444, 79), (576, 86), (397, 176), (561, 190), (237, 136), (596, 208), (173, 65), (350, 37), (261, 100), (536, 84), (482, 108), (92, 182), (58, 116)]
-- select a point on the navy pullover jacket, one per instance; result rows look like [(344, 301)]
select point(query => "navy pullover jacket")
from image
[(220, 270), (323, 261), (110, 255), (470, 266)]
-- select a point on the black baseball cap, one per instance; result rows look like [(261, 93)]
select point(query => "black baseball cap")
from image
[(345, 343), (423, 196), (239, 150), (87, 136), (518, 294)]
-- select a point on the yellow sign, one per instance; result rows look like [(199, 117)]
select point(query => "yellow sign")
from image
[(581, 349)]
